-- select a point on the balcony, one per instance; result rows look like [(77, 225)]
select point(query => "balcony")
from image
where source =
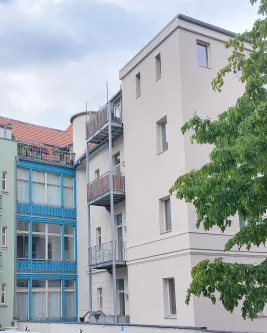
[(48, 210), (97, 125), (100, 256), (25, 265), (98, 191), (45, 154)]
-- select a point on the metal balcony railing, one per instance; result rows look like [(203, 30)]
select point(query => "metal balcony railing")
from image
[(101, 255), (47, 154), (101, 186), (96, 122)]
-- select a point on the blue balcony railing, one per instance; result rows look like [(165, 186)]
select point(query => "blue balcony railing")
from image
[(53, 211), (25, 265)]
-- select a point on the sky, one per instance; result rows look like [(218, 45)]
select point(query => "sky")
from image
[(56, 55)]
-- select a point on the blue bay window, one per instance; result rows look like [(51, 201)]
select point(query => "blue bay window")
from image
[(52, 299)]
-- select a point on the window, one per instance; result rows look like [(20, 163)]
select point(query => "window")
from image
[(68, 191), (100, 298), (46, 299), (121, 297), (158, 66), (4, 236), (169, 297), (97, 174), (117, 162), (98, 237), (243, 222), (23, 185), (162, 137), (23, 241), (68, 243), (238, 71), (202, 54), (138, 85), (22, 303), (4, 181), (3, 294), (70, 311), (165, 215), (46, 188), (46, 241)]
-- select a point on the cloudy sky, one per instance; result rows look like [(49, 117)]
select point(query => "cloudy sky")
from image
[(56, 55)]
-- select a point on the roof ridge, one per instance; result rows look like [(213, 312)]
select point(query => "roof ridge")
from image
[(34, 125)]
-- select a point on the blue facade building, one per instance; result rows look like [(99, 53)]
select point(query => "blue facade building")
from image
[(46, 264)]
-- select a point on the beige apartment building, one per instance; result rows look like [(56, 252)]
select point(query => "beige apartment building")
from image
[(142, 242)]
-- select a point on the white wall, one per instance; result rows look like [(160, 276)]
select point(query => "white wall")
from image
[(86, 328)]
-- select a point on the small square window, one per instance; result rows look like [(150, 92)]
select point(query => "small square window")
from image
[(169, 297), (138, 84), (4, 181), (165, 215), (4, 236), (202, 54), (162, 135), (158, 66)]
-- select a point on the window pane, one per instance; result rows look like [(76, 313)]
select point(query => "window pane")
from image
[(53, 195), (172, 296), (70, 304), (54, 229), (38, 227), (38, 176), (22, 284), (68, 180), (53, 178), (68, 197), (23, 191), (38, 284), (202, 55), (22, 225), (54, 304), (38, 247), (54, 284), (22, 173), (22, 305), (54, 248), (168, 222), (121, 284), (22, 246), (69, 284), (119, 219), (38, 193), (69, 230), (38, 305), (69, 248)]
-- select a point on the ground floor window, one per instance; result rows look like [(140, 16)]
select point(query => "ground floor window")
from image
[(47, 300)]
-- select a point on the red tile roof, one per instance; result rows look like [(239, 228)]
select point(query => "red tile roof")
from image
[(39, 135)]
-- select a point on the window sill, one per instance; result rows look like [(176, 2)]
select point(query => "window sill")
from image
[(4, 192), (171, 317), (4, 248), (3, 306), (162, 151), (204, 66), (166, 232), (138, 96)]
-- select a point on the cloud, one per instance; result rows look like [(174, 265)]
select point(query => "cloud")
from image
[(58, 54)]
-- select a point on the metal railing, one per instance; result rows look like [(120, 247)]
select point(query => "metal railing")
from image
[(98, 120), (45, 154), (101, 185), (101, 254)]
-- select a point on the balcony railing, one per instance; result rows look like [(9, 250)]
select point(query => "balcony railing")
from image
[(100, 256), (46, 154), (98, 190), (97, 124), (48, 210), (35, 265)]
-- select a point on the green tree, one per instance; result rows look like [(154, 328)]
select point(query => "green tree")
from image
[(235, 179)]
